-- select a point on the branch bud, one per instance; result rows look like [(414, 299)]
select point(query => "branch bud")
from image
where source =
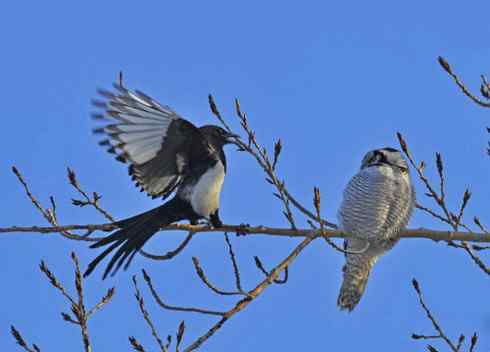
[(403, 143), (237, 107), (474, 339), (212, 106), (461, 339), (317, 199), (466, 198), (476, 220), (444, 64), (440, 165), (415, 285), (72, 177), (277, 152), (180, 333)]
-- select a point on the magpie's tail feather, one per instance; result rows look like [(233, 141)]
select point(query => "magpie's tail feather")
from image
[(134, 232)]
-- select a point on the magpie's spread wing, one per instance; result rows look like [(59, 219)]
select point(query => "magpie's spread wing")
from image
[(152, 138)]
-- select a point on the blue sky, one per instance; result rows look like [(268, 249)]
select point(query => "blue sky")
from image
[(332, 79)]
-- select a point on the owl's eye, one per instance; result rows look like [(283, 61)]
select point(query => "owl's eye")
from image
[(375, 157)]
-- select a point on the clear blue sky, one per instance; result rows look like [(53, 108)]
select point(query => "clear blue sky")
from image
[(332, 79)]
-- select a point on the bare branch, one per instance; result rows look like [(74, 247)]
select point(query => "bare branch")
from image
[(455, 221), (135, 344), (106, 299), (77, 306), (445, 65), (236, 271), (33, 199), (176, 308), (206, 281), (94, 201), (48, 214), (260, 266), (475, 258), (21, 342), (432, 213), (242, 304), (436, 326), (79, 309), (421, 233), (146, 316), (170, 254), (55, 282)]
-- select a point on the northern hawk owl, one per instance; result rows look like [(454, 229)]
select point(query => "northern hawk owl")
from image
[(377, 204)]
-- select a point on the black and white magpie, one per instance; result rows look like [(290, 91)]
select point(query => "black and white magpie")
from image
[(166, 153)]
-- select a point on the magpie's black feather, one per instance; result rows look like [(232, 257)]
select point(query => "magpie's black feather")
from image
[(134, 232)]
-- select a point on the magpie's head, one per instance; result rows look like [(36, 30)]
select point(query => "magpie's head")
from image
[(217, 135), (385, 156)]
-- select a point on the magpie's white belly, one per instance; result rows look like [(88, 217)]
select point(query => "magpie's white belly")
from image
[(205, 196)]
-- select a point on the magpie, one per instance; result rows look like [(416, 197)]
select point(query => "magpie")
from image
[(165, 153)]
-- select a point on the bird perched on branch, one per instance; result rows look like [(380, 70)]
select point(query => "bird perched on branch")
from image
[(376, 206), (165, 153)]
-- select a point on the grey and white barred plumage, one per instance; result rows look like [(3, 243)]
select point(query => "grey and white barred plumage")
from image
[(377, 204)]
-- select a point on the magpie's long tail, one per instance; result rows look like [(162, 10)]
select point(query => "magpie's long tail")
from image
[(134, 232)]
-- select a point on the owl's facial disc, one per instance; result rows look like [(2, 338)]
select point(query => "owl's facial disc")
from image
[(385, 156)]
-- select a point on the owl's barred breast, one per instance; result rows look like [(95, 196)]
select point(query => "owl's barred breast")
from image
[(377, 203)]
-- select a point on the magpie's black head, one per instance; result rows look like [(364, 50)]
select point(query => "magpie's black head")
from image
[(385, 156), (217, 135)]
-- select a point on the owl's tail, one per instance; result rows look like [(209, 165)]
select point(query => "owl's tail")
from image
[(356, 274)]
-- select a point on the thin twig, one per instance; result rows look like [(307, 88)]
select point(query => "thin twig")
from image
[(260, 154), (432, 213), (475, 258), (94, 201), (242, 304), (236, 271), (78, 308), (205, 280), (436, 326), (106, 299), (455, 221), (21, 342), (445, 65), (260, 266), (146, 316), (135, 344), (170, 254), (176, 308)]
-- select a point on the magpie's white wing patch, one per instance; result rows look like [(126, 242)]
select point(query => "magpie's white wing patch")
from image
[(141, 126), (150, 136)]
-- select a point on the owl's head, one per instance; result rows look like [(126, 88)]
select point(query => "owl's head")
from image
[(385, 156)]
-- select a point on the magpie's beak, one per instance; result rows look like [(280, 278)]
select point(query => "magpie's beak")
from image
[(231, 138)]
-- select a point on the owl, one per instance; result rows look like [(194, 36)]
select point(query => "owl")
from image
[(377, 204)]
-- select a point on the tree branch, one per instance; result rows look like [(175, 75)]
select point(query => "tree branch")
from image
[(435, 235), (483, 89), (440, 333)]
